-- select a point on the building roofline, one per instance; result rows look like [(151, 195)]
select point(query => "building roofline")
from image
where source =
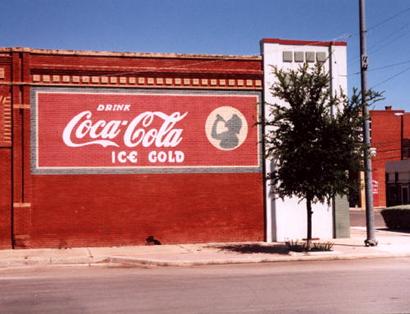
[(389, 110), (302, 42), (128, 54)]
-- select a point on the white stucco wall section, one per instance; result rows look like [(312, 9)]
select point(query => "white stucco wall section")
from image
[(286, 219)]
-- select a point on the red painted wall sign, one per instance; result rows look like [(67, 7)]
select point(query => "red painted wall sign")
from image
[(375, 186), (145, 131)]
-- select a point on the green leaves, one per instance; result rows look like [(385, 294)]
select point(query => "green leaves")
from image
[(314, 138)]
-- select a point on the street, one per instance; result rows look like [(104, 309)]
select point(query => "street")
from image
[(356, 286)]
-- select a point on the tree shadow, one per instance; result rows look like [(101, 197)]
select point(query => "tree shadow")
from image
[(254, 248)]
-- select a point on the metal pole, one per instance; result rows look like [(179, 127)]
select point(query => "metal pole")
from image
[(371, 240)]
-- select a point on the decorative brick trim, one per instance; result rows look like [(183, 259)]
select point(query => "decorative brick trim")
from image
[(5, 102), (125, 81), (130, 54), (21, 106), (21, 205)]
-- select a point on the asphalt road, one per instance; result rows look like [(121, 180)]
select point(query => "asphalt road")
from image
[(362, 286)]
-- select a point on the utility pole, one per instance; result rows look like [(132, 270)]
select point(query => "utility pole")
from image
[(370, 240)]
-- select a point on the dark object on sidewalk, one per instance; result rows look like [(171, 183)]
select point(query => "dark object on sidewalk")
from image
[(296, 246), (62, 244), (397, 217), (253, 248), (152, 241)]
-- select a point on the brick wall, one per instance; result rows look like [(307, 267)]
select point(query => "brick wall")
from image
[(126, 209), (386, 138), (122, 209), (5, 153)]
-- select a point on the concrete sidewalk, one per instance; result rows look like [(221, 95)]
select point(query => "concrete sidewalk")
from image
[(391, 244)]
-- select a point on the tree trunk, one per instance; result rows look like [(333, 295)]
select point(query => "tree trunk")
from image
[(309, 223)]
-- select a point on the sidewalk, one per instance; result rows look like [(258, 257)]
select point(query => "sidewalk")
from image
[(391, 244)]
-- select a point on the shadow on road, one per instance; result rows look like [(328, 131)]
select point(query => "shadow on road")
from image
[(255, 248)]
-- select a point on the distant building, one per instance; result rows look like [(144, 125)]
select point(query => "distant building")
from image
[(390, 136), (397, 182)]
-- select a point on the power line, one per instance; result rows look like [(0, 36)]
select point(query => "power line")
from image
[(383, 22), (391, 77), (389, 65), (388, 42), (388, 19), (389, 39), (383, 67)]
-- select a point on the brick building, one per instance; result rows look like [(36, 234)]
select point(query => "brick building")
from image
[(107, 149), (390, 135), (104, 148)]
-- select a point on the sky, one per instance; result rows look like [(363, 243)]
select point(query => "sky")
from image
[(220, 27)]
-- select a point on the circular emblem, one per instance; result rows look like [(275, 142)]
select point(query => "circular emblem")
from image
[(226, 128)]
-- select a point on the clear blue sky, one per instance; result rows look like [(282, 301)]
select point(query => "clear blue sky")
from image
[(219, 27)]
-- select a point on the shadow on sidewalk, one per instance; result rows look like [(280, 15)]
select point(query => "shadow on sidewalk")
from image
[(254, 248), (404, 232), (349, 245)]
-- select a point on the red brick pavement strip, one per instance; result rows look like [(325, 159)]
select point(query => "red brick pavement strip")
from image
[(391, 244)]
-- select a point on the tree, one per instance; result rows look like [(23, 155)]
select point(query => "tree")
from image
[(314, 137)]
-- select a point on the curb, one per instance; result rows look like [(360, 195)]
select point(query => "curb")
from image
[(204, 262), (32, 262), (195, 260)]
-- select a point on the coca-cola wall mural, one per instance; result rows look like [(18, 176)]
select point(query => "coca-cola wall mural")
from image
[(141, 131)]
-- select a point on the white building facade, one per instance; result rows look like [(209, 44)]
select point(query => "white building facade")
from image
[(286, 219)]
